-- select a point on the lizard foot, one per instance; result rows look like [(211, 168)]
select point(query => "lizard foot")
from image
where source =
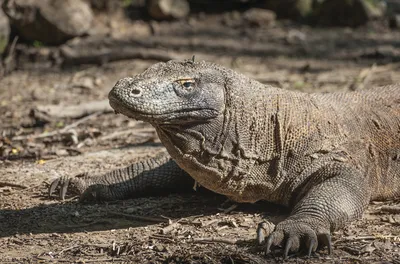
[(293, 235), (65, 183)]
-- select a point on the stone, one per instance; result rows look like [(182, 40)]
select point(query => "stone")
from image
[(105, 5), (295, 9), (259, 17), (4, 31), (168, 9), (394, 21), (392, 7), (348, 12), (49, 21)]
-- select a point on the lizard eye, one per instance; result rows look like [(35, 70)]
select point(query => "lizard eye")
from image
[(187, 83)]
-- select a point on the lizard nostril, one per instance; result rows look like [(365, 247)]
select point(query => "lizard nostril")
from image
[(136, 92)]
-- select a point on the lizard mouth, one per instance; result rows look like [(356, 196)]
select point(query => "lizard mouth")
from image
[(182, 116)]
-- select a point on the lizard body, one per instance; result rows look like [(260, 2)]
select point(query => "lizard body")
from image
[(323, 155)]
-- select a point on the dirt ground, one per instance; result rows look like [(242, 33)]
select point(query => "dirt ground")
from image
[(180, 228)]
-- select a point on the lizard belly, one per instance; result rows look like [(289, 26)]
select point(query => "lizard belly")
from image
[(235, 183)]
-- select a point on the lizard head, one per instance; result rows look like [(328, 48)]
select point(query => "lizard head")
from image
[(175, 92)]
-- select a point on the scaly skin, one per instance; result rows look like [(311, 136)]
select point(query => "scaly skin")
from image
[(154, 176), (323, 155)]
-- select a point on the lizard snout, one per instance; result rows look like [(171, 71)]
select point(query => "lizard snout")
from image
[(122, 90)]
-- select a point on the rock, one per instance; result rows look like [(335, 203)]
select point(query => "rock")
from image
[(49, 21), (4, 31), (232, 19), (394, 21), (167, 9), (393, 12), (159, 248), (259, 17), (294, 9), (106, 5), (303, 8), (295, 36), (392, 7), (348, 12), (130, 210)]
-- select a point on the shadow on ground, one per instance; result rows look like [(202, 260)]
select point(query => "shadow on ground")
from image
[(71, 216)]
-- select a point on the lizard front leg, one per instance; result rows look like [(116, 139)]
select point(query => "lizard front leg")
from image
[(149, 177), (340, 197)]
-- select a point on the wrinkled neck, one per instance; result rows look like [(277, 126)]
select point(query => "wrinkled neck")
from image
[(202, 140), (246, 129), (256, 120)]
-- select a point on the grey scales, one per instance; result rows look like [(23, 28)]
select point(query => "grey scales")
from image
[(323, 155)]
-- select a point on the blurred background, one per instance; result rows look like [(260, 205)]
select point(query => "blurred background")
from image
[(47, 34), (60, 58)]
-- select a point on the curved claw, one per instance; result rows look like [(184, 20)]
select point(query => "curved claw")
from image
[(260, 235), (53, 186), (292, 245), (326, 239), (63, 183), (287, 248), (63, 189), (293, 236), (268, 245), (264, 229), (312, 246)]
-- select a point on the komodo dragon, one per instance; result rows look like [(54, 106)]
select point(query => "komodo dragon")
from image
[(324, 155)]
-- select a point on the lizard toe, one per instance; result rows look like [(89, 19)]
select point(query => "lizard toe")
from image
[(264, 229), (61, 183), (294, 236), (65, 184), (311, 246), (64, 188), (53, 186), (326, 240), (274, 239), (292, 245)]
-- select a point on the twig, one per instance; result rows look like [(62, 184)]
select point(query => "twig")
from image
[(104, 260), (169, 228), (357, 238), (142, 132), (210, 222), (12, 47), (76, 55), (59, 131), (66, 249), (97, 222), (351, 250), (222, 227), (49, 260), (20, 157), (92, 254), (80, 121), (230, 208), (117, 134), (160, 237), (9, 59), (97, 245), (49, 112), (363, 78), (391, 209), (140, 218), (7, 184), (189, 220), (207, 240)]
